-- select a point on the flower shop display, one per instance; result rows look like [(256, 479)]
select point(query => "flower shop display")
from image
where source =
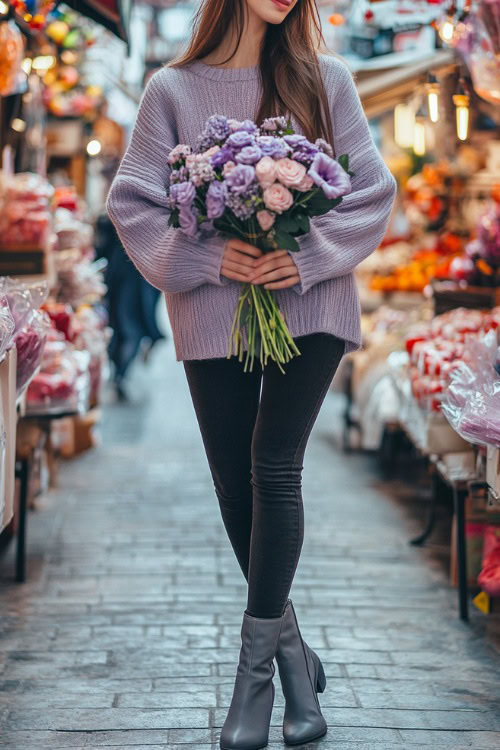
[(25, 218), (438, 349), (471, 402), (63, 381), (30, 343), (262, 185)]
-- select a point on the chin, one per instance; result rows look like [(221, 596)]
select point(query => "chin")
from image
[(271, 13)]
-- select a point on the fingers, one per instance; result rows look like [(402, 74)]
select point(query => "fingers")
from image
[(284, 283), (269, 256), (277, 268), (236, 256), (244, 247), (234, 275)]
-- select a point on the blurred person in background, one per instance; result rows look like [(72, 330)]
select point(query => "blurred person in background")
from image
[(257, 59), (131, 303)]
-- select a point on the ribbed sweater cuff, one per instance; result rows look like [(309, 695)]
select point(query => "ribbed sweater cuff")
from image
[(212, 260)]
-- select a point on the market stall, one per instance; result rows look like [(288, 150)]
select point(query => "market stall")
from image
[(431, 292)]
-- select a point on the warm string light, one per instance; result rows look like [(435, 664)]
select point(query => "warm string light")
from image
[(4, 8), (461, 102), (419, 137), (93, 148), (433, 101), (404, 125)]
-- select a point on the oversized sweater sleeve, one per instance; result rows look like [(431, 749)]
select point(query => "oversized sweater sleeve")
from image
[(166, 257), (342, 238)]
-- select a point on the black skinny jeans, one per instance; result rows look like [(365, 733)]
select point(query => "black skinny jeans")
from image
[(255, 443)]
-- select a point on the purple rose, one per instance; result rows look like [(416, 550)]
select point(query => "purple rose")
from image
[(294, 140), (240, 179), (305, 151), (240, 139), (188, 221), (274, 147), (327, 174), (216, 199), (182, 193), (222, 156), (249, 155)]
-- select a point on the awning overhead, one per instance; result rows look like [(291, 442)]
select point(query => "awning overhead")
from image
[(114, 15)]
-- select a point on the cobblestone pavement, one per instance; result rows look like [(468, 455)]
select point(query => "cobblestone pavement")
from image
[(126, 632)]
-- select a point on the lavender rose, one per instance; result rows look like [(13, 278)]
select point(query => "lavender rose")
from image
[(273, 147), (221, 157), (182, 194), (216, 199), (241, 178), (294, 140), (240, 139), (188, 221), (329, 176), (249, 154)]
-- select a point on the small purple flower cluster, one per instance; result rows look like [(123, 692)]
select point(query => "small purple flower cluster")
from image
[(243, 171)]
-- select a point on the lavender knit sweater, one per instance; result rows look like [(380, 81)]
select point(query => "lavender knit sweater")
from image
[(201, 302)]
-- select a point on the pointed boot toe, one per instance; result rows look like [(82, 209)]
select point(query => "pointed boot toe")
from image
[(247, 722), (302, 678)]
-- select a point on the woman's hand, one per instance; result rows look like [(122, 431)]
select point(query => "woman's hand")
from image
[(239, 260), (276, 270)]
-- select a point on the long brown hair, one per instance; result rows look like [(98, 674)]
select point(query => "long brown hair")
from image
[(289, 65)]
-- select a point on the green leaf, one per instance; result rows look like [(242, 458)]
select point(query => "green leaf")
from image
[(285, 241), (343, 160), (303, 222), (286, 223), (320, 204)]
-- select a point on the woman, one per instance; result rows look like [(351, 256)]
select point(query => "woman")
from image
[(256, 59)]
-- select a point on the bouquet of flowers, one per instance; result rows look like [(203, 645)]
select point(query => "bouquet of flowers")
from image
[(261, 185)]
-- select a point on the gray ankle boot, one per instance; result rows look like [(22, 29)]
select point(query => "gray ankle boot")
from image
[(247, 723), (302, 677)]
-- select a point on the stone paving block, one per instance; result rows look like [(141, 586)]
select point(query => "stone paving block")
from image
[(179, 698), (86, 720)]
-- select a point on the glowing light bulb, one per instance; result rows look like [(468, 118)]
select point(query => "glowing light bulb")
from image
[(461, 102), (43, 63), (93, 148), (26, 65), (419, 138), (447, 29), (4, 8), (18, 125), (433, 102), (404, 125)]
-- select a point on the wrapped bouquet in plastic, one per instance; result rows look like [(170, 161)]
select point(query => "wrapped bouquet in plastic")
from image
[(471, 402)]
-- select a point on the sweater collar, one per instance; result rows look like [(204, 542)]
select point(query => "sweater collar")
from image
[(218, 73)]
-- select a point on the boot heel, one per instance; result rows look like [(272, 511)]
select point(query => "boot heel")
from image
[(320, 677)]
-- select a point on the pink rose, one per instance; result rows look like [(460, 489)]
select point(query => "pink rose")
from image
[(265, 170), (278, 198), (290, 172), (307, 183), (265, 219), (228, 167)]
